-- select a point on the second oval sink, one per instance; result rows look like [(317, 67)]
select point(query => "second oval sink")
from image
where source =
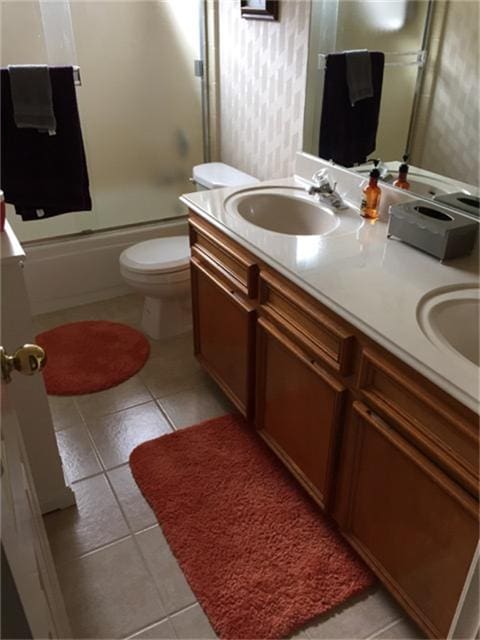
[(450, 319), (285, 213)]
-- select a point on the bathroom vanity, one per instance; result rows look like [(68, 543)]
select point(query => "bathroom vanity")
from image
[(318, 341)]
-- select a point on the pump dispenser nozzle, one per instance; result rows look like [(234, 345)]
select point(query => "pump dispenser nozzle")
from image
[(375, 172), (401, 182)]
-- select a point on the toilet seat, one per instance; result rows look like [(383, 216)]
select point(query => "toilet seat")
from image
[(157, 256), (154, 280)]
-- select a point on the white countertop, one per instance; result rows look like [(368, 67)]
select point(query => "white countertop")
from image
[(373, 282), (10, 248)]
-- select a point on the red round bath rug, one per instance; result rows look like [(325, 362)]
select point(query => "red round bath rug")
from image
[(88, 356)]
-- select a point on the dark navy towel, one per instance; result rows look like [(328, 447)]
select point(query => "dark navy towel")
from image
[(43, 175), (348, 132)]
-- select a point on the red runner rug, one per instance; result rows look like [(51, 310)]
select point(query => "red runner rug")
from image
[(260, 556), (83, 357)]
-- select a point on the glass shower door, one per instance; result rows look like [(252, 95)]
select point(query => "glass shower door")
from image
[(140, 104)]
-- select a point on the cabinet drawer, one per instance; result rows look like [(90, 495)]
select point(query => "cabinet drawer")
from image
[(437, 429), (414, 526), (235, 265), (329, 340)]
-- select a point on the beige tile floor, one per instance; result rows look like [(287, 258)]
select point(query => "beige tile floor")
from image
[(117, 573)]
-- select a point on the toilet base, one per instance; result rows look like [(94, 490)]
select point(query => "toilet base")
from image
[(165, 318)]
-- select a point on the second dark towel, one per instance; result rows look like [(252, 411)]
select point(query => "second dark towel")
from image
[(42, 172), (348, 133)]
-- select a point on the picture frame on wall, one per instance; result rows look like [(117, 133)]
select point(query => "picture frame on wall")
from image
[(259, 9)]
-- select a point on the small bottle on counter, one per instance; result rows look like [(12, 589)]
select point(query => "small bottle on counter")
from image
[(401, 182), (371, 195)]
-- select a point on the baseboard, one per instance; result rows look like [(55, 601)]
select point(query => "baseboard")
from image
[(61, 500)]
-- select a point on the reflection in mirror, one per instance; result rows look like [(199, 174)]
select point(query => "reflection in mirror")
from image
[(429, 99), (424, 183)]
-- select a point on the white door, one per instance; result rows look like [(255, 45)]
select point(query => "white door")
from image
[(23, 536)]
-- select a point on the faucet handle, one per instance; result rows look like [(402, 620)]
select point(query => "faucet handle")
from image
[(320, 177)]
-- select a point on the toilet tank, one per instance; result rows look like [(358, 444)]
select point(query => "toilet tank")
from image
[(214, 175)]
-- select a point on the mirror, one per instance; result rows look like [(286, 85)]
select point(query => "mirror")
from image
[(429, 104)]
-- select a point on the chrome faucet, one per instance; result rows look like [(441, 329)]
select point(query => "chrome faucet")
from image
[(325, 190), (385, 173)]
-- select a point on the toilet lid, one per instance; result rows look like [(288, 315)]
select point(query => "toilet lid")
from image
[(218, 174), (158, 255)]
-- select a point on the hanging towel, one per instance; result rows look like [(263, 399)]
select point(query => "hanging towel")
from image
[(348, 133), (359, 75), (32, 97), (42, 175)]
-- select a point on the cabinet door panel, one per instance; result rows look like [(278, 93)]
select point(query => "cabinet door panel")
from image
[(417, 528), (224, 331), (298, 409)]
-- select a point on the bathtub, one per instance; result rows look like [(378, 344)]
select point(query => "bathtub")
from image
[(74, 270)]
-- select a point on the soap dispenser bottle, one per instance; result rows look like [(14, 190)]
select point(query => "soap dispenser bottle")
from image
[(371, 195), (401, 182)]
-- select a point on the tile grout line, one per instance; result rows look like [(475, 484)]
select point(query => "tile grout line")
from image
[(104, 472), (135, 541), (151, 626), (84, 423), (92, 439), (385, 628), (112, 413), (150, 574), (168, 617), (131, 535), (165, 414), (95, 550)]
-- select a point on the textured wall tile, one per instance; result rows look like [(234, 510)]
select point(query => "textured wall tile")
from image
[(262, 85)]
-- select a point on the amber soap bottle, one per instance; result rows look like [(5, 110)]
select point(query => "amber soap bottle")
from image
[(401, 182), (371, 195)]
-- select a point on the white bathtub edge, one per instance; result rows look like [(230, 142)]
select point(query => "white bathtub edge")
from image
[(66, 273)]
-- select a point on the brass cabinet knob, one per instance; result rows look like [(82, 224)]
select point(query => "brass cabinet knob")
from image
[(27, 360)]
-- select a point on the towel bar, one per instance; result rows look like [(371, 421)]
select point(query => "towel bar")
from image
[(419, 60)]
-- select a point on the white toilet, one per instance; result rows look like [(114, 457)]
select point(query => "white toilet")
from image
[(160, 268)]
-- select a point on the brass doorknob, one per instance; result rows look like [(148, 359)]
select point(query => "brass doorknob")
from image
[(27, 360)]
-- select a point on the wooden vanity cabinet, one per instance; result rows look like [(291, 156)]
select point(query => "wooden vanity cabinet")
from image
[(435, 423), (299, 409), (412, 524), (302, 356), (392, 457)]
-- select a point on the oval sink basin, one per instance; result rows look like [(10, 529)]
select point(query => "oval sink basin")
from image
[(451, 319), (282, 213)]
